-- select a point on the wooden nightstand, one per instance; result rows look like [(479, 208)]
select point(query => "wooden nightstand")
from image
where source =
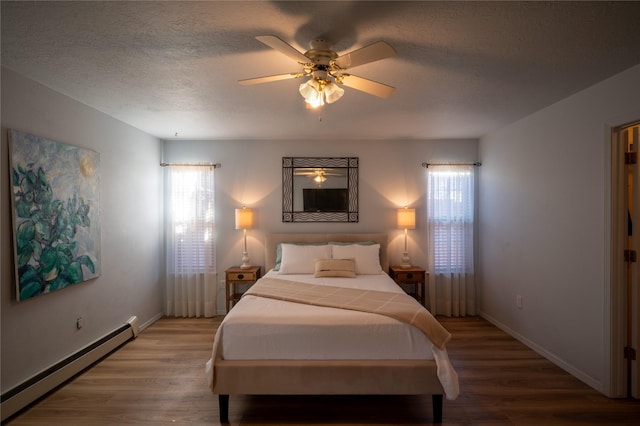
[(235, 276), (414, 276)]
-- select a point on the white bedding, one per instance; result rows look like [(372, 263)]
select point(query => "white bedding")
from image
[(260, 328)]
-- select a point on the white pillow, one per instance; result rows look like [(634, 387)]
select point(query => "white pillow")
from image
[(367, 257), (297, 259)]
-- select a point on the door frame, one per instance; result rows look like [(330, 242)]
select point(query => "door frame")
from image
[(615, 385)]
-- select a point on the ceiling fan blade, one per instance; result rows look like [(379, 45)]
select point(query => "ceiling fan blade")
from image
[(368, 86), (284, 48), (364, 55), (270, 78)]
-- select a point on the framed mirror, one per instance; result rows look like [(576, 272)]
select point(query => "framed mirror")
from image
[(319, 189)]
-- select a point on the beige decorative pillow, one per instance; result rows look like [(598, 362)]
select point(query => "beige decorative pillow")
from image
[(335, 268)]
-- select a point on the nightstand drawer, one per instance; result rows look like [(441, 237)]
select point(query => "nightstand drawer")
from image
[(409, 277), (242, 276)]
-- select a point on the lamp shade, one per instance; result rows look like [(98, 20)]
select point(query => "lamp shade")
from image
[(333, 92), (244, 218), (311, 91), (407, 218)]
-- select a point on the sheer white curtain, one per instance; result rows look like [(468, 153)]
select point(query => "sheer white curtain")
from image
[(190, 251), (450, 218)]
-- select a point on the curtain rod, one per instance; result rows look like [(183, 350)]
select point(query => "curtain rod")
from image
[(426, 165), (214, 165)]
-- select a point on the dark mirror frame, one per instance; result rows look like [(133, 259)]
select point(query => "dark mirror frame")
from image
[(350, 164)]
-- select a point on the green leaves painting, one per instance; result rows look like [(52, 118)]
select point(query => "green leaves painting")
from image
[(55, 207)]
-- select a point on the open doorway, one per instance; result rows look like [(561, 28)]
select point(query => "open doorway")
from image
[(625, 279)]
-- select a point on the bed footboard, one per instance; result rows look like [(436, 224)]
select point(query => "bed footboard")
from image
[(223, 406), (344, 377)]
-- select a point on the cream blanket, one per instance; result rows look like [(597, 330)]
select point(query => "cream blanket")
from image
[(395, 305)]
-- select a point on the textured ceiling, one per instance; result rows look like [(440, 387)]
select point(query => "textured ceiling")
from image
[(463, 68)]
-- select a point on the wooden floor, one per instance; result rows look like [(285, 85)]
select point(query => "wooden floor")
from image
[(158, 379)]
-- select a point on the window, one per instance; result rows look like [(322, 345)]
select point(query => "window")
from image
[(450, 210), (191, 219), (191, 267)]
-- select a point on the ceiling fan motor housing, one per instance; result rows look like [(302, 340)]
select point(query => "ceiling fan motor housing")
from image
[(320, 56)]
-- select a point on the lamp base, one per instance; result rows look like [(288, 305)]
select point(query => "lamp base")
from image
[(245, 261), (406, 261)]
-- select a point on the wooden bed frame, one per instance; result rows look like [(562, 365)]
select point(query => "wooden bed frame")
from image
[(326, 377)]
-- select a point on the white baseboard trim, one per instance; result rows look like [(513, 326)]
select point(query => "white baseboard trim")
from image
[(569, 368), (150, 322), (47, 380)]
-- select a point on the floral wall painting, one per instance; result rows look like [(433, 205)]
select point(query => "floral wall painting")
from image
[(56, 214)]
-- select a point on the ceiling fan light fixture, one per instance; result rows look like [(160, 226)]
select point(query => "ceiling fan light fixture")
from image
[(332, 92), (319, 179), (311, 91), (317, 91)]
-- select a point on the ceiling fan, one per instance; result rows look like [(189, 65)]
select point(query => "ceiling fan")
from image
[(317, 175), (327, 69)]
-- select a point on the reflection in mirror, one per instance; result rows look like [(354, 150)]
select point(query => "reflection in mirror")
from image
[(320, 189)]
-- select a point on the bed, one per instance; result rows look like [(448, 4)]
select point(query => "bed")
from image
[(273, 343)]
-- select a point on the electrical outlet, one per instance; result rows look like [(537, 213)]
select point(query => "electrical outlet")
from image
[(519, 302)]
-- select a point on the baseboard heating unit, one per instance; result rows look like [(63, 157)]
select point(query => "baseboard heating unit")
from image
[(24, 394)]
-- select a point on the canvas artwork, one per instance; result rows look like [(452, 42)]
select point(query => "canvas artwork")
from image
[(56, 214)]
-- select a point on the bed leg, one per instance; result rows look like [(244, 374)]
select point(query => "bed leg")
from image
[(437, 408), (223, 406)]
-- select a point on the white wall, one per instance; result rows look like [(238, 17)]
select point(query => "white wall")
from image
[(41, 331), (543, 225), (390, 176)]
